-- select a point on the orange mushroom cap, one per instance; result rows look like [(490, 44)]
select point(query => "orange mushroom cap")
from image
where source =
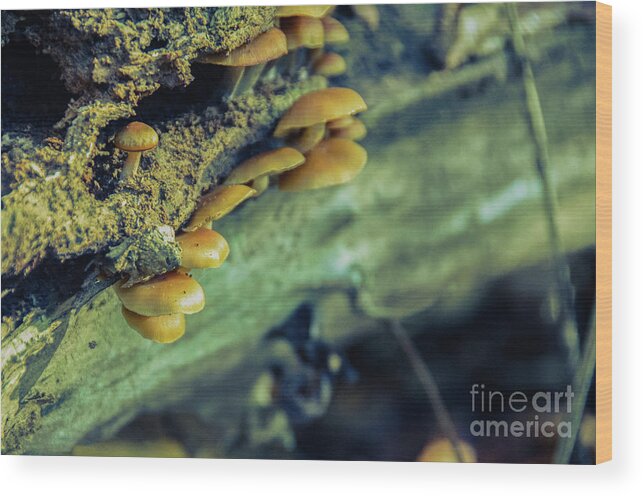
[(369, 14), (355, 131), (219, 202), (305, 32), (202, 249), (344, 121), (160, 329), (334, 31), (166, 294), (260, 184), (266, 163), (267, 46), (332, 162), (441, 450), (320, 106), (136, 137), (330, 64)]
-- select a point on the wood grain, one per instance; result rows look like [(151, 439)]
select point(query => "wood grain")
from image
[(603, 232)]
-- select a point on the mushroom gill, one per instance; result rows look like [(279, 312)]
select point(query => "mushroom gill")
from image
[(265, 164), (243, 66)]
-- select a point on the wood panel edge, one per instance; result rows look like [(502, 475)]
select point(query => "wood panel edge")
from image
[(603, 232)]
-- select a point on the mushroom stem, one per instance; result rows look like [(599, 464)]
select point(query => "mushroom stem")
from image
[(292, 62), (249, 78), (131, 165), (270, 72), (236, 75), (228, 81)]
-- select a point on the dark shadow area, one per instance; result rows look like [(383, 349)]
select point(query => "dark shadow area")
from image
[(33, 95)]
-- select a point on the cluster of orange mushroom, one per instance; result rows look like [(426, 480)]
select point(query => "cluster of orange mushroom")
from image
[(156, 308), (308, 29), (300, 30), (319, 132)]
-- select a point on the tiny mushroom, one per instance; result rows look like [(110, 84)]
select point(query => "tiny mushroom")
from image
[(332, 162), (442, 450), (135, 138), (356, 131), (219, 202), (334, 31), (369, 14), (172, 292), (160, 329), (307, 32), (265, 164), (329, 65), (320, 106), (202, 249)]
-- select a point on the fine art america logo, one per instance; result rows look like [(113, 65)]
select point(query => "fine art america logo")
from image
[(547, 404)]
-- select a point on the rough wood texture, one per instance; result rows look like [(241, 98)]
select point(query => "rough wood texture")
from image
[(603, 233), (448, 201)]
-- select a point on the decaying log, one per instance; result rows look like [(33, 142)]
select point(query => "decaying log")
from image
[(448, 201)]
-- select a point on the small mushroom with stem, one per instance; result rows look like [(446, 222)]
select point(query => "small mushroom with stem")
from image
[(135, 138), (243, 66), (218, 203), (332, 64), (334, 161), (202, 249), (319, 106), (304, 35), (162, 329), (257, 170), (169, 293), (307, 32)]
